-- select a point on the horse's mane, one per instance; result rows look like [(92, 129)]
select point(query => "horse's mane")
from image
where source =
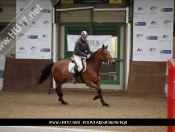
[(96, 51), (93, 55)]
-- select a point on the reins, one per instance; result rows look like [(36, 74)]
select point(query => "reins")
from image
[(100, 61)]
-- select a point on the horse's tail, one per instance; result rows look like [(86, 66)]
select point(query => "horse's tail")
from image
[(45, 72)]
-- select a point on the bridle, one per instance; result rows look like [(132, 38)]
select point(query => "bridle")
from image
[(105, 56), (100, 57), (107, 59)]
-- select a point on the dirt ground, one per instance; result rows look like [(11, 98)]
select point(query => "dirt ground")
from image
[(40, 105)]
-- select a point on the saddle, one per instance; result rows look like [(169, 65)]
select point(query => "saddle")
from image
[(73, 61), (72, 67)]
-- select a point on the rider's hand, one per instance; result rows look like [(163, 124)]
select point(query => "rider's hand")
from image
[(88, 56)]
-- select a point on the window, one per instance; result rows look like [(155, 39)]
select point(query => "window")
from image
[(72, 31), (110, 73)]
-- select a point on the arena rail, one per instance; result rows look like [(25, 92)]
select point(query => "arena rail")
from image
[(170, 97)]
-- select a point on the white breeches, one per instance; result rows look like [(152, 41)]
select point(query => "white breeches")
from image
[(78, 62)]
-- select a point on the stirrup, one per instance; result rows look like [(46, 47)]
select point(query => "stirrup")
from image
[(74, 80)]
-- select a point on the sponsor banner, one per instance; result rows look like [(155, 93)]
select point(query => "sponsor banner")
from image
[(2, 67), (153, 30), (95, 41), (35, 43)]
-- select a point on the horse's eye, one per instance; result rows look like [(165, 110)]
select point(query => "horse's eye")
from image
[(105, 54)]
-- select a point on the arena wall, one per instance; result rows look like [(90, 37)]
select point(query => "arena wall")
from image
[(22, 75), (147, 79)]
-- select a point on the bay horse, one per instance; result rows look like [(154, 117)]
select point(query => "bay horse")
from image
[(91, 77)]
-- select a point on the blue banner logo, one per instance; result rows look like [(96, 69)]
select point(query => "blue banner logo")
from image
[(140, 23), (165, 51), (32, 36), (166, 9), (151, 37), (46, 10), (45, 49)]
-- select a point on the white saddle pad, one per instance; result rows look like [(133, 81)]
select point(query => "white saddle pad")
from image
[(71, 66)]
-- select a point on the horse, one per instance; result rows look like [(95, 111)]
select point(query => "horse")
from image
[(91, 76)]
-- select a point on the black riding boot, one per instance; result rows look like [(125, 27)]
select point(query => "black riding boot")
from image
[(75, 76)]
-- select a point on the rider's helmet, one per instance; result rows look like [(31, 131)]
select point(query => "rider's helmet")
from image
[(84, 34)]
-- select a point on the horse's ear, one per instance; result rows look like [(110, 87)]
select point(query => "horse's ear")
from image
[(104, 47)]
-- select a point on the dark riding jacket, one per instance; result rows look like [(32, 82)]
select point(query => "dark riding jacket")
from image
[(82, 48)]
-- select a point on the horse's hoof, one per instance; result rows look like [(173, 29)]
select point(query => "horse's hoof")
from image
[(105, 104), (64, 103), (95, 98)]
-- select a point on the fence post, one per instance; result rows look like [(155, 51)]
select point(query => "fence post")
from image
[(170, 100)]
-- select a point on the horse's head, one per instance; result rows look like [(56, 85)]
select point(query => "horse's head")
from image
[(106, 56)]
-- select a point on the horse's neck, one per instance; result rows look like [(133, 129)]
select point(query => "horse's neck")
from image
[(95, 62)]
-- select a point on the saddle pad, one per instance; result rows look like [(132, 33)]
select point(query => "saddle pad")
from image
[(71, 67)]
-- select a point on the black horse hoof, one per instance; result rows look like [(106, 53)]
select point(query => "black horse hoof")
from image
[(64, 103), (105, 104), (95, 98)]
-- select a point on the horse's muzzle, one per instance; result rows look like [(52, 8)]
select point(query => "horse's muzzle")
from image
[(113, 63)]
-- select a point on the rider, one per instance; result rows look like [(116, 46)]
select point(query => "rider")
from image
[(81, 50)]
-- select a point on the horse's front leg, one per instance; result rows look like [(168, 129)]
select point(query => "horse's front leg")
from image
[(99, 95), (98, 88)]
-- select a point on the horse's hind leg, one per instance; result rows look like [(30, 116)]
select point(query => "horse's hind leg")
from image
[(60, 95)]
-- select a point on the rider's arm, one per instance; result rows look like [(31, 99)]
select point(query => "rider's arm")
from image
[(88, 50)]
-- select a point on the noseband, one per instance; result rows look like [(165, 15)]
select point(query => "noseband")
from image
[(99, 60), (105, 56), (100, 57)]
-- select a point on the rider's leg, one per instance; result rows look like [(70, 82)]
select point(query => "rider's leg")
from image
[(75, 76), (80, 67)]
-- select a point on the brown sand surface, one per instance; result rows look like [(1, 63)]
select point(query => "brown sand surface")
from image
[(41, 105)]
